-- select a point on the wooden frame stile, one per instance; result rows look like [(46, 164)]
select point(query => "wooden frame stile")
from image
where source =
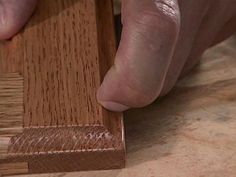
[(50, 120)]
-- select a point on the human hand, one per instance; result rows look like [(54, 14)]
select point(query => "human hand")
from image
[(161, 40)]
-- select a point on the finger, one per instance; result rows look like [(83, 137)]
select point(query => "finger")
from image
[(195, 37), (228, 29), (187, 36), (13, 15), (150, 31), (210, 27)]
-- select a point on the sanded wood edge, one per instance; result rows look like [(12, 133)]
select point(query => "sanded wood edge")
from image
[(71, 161), (66, 149), (64, 139)]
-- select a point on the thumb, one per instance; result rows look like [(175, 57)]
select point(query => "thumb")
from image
[(13, 15), (150, 31)]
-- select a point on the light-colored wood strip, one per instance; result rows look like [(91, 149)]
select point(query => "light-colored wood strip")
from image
[(11, 109), (11, 131), (13, 168), (10, 62), (4, 142)]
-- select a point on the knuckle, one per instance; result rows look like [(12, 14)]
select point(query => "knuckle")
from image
[(159, 12), (168, 9)]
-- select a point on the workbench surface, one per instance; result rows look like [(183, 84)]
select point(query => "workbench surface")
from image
[(189, 133)]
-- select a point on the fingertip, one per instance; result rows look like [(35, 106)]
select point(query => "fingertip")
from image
[(109, 104), (113, 106), (13, 16), (8, 30)]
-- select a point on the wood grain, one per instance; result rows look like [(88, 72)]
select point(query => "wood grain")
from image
[(11, 109), (14, 168), (61, 57), (62, 66), (189, 133)]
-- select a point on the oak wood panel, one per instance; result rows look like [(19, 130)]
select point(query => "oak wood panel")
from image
[(189, 133), (61, 57), (62, 67)]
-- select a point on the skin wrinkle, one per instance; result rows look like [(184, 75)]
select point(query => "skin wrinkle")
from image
[(150, 41), (156, 11), (148, 37), (174, 71), (139, 32), (167, 7)]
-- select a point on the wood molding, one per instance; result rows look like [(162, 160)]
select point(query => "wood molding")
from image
[(51, 121)]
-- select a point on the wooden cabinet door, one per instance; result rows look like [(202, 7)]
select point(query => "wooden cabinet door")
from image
[(50, 120)]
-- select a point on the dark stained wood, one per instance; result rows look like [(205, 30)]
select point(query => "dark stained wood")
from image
[(61, 57)]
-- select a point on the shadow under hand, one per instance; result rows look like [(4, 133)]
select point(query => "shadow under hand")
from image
[(150, 131), (153, 132), (206, 96)]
